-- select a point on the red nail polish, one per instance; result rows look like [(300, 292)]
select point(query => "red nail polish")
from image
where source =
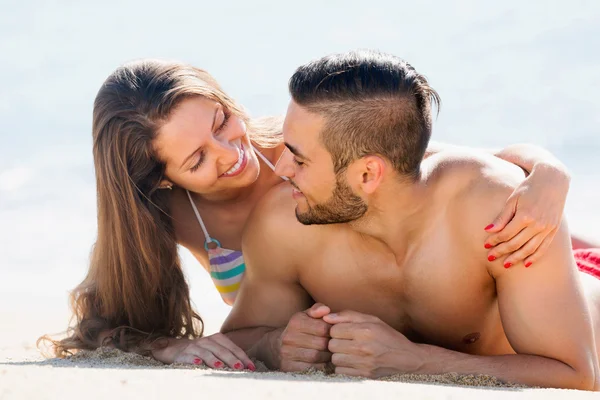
[(507, 265), (218, 364), (251, 367), (197, 361), (238, 365), (528, 264), (490, 226), (488, 246), (491, 258)]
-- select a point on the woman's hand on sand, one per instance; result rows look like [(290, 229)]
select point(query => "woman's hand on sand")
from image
[(531, 216), (215, 351)]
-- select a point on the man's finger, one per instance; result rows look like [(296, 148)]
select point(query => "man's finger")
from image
[(345, 360), (306, 341), (342, 346), (349, 316), (318, 310), (309, 356), (311, 326), (345, 331)]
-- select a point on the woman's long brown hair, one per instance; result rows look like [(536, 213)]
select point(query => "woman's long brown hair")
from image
[(135, 291)]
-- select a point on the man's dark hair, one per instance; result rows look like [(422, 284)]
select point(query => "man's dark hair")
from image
[(373, 103)]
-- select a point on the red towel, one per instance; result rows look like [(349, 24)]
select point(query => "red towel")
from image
[(588, 260)]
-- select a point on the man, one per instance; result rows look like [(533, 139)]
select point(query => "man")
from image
[(391, 258)]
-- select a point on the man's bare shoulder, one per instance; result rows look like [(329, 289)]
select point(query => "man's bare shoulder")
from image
[(474, 187), (273, 229), (275, 212), (464, 169)]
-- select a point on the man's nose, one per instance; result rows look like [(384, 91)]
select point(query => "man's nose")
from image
[(285, 164)]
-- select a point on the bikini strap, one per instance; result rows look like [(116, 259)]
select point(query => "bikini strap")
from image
[(266, 160), (206, 235)]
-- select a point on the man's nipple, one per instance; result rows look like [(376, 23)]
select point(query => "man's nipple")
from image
[(471, 338)]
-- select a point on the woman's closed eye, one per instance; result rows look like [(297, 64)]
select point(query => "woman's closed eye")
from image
[(223, 125), (298, 163), (199, 163)]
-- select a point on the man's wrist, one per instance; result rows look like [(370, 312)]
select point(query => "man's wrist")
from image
[(421, 357), (424, 367)]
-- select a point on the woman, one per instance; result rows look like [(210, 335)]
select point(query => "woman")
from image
[(179, 162)]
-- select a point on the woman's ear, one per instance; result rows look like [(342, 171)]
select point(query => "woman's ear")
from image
[(165, 184)]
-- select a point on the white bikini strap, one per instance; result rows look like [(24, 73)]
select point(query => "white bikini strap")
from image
[(206, 235), (258, 153)]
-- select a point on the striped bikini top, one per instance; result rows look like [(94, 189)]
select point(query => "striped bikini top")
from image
[(227, 266)]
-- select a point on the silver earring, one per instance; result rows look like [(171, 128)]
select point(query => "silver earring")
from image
[(170, 187)]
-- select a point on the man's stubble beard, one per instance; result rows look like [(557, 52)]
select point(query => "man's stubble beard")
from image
[(343, 206)]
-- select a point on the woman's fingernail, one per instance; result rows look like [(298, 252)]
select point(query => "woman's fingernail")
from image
[(238, 365), (528, 264), (488, 246), (490, 226), (507, 265), (197, 361), (332, 315), (251, 367), (218, 364), (491, 258)]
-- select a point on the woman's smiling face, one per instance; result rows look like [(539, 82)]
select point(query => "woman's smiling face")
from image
[(206, 148)]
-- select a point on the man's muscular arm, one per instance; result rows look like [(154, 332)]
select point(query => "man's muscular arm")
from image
[(268, 319), (544, 314)]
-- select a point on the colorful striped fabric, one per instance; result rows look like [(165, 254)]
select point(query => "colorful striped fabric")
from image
[(226, 270)]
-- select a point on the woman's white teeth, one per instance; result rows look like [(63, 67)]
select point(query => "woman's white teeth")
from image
[(237, 164)]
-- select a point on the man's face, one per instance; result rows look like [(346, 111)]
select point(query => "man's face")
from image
[(322, 197)]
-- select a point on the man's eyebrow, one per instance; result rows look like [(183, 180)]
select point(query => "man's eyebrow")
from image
[(195, 151), (296, 152)]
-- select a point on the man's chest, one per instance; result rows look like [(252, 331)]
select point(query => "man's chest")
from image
[(431, 298)]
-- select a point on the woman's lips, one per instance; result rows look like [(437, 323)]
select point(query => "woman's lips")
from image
[(242, 165)]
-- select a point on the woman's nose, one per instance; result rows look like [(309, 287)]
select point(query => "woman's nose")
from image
[(227, 152)]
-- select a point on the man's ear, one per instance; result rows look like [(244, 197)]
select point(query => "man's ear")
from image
[(367, 173)]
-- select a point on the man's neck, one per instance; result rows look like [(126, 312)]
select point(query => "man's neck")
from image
[(397, 215)]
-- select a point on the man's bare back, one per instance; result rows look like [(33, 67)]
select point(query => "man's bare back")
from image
[(440, 289)]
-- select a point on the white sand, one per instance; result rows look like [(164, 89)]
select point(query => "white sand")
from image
[(24, 374)]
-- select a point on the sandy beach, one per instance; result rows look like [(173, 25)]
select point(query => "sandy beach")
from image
[(26, 374)]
